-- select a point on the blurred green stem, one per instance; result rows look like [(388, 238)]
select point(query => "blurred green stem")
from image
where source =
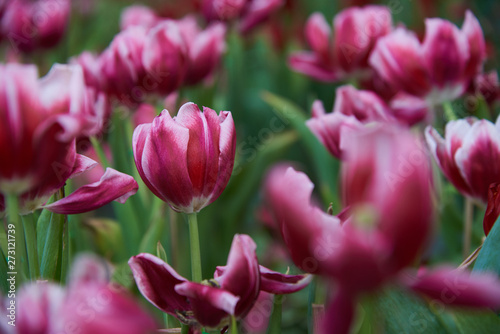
[(234, 325), (194, 241), (29, 225), (275, 320), (468, 218), (12, 208)]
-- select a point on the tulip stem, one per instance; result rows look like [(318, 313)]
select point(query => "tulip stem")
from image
[(194, 241), (468, 218), (29, 225), (234, 325), (275, 320), (18, 264)]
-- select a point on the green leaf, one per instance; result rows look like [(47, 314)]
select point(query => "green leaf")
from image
[(49, 237), (489, 255)]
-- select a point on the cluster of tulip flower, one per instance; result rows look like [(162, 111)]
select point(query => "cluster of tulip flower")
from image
[(91, 127)]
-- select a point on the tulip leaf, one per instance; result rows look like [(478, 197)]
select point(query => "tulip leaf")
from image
[(4, 284), (50, 243), (327, 166), (489, 256)]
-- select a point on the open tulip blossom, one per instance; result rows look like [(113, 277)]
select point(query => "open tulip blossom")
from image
[(120, 126)]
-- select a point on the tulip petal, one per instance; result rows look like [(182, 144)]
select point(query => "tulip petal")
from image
[(309, 64), (82, 164), (456, 287), (409, 109), (340, 313), (366, 106), (88, 269), (113, 186), (257, 12), (156, 281), (210, 305), (477, 46), (318, 33), (493, 208), (278, 283), (241, 275)]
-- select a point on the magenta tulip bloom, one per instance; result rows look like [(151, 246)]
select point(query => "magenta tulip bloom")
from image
[(346, 53), (88, 305), (469, 155), (186, 160), (138, 15), (29, 25), (233, 291), (41, 118), (353, 108), (438, 69)]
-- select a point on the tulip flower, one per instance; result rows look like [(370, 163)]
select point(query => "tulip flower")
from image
[(233, 291), (488, 86), (187, 160), (138, 15), (29, 25), (122, 66), (89, 304), (346, 53), (41, 118), (438, 69), (386, 190), (468, 154), (249, 12), (91, 66), (353, 108)]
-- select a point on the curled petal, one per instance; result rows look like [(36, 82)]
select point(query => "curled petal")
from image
[(456, 287), (82, 164), (277, 283), (241, 275), (156, 281), (113, 186), (210, 305)]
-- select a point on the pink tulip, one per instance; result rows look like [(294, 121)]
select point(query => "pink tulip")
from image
[(91, 66), (29, 25), (438, 69), (493, 208), (89, 304), (353, 108), (343, 53), (233, 291), (41, 118), (468, 155), (122, 66), (488, 85), (186, 160)]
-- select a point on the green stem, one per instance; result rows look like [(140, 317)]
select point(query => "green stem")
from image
[(468, 218), (275, 320), (184, 329), (100, 152), (449, 113), (234, 325), (12, 208), (29, 225), (194, 241)]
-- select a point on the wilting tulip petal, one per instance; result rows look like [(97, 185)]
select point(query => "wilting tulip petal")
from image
[(278, 283), (210, 305), (113, 186), (493, 208), (241, 274), (156, 281), (455, 287)]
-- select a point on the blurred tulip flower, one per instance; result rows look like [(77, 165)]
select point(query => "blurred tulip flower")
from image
[(187, 160), (233, 290), (42, 118), (353, 108), (138, 15), (343, 53), (29, 25), (89, 303), (468, 155), (441, 67)]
